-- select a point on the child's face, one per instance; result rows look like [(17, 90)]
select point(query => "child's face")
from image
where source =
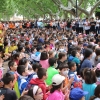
[(74, 67), (14, 67), (39, 95), (26, 73)]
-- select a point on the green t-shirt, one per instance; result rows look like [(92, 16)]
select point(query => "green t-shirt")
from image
[(51, 71)]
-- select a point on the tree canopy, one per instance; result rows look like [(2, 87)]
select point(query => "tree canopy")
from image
[(43, 8)]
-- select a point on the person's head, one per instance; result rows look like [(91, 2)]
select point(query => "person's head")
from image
[(44, 55), (36, 92), (64, 69), (72, 66), (78, 49), (97, 72), (42, 73), (51, 54), (16, 56), (25, 97), (57, 82), (12, 43), (88, 53), (12, 65), (27, 45), (96, 93), (36, 66), (85, 45), (39, 48), (62, 56), (97, 51), (74, 53), (80, 44), (21, 48), (52, 62), (22, 70), (77, 94), (33, 49), (8, 79), (23, 61), (89, 76)]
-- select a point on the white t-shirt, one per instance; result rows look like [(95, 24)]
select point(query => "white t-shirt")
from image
[(87, 27), (97, 23)]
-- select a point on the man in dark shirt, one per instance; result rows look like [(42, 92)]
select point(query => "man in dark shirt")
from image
[(7, 91)]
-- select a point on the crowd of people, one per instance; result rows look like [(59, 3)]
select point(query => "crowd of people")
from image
[(50, 60)]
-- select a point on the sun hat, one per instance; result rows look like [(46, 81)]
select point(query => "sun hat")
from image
[(57, 79)]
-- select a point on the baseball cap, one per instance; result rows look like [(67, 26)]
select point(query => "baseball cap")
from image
[(57, 79), (85, 44), (41, 40), (77, 94)]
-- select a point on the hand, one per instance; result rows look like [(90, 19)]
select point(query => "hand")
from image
[(2, 97), (24, 92), (71, 80)]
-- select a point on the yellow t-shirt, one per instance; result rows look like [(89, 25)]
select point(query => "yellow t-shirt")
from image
[(12, 48), (7, 50)]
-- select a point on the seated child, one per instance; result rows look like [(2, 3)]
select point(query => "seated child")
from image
[(23, 77), (40, 81)]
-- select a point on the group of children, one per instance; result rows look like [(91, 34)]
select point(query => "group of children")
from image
[(49, 64)]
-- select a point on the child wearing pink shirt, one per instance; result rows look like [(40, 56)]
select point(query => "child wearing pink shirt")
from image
[(44, 60), (56, 90)]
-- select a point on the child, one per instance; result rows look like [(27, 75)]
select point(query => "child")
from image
[(13, 67), (97, 72), (23, 77), (56, 90), (36, 67), (44, 60), (40, 81), (36, 57), (51, 71), (96, 93), (7, 91), (77, 94), (71, 74), (36, 92), (89, 84)]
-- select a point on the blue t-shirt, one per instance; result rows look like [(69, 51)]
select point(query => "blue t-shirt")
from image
[(90, 88), (86, 64)]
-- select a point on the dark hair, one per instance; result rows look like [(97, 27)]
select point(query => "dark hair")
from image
[(97, 72), (21, 69), (30, 92), (7, 78), (71, 64), (36, 66), (90, 46), (87, 52), (41, 72), (39, 48), (14, 57), (97, 51), (26, 97), (89, 76), (54, 88), (61, 55), (96, 93), (20, 48), (27, 43), (63, 65), (74, 52), (52, 61), (11, 64), (44, 55), (23, 61), (32, 49)]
